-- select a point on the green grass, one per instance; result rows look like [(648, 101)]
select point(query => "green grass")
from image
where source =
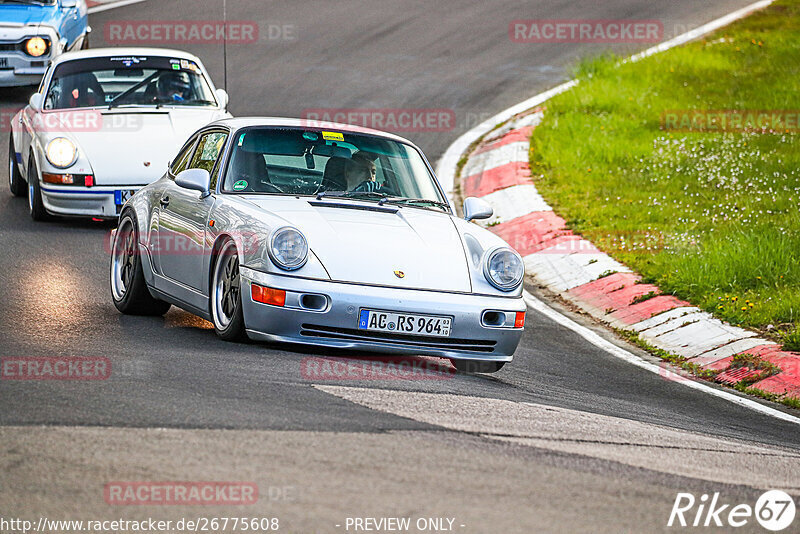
[(709, 217)]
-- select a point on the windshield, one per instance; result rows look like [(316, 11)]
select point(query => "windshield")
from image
[(331, 163), (128, 81)]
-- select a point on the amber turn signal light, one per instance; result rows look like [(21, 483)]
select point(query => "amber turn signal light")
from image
[(268, 295)]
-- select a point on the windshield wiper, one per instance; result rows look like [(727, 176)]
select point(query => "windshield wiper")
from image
[(419, 202), (200, 101), (383, 198), (357, 195)]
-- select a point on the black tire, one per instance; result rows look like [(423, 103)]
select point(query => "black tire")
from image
[(15, 180), (225, 295), (35, 203), (128, 288), (473, 366)]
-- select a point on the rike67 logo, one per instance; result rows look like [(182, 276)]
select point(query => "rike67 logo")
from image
[(774, 510)]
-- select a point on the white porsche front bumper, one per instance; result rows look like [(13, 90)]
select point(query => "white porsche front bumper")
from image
[(100, 202)]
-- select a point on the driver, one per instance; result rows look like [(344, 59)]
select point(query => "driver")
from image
[(360, 173), (175, 86)]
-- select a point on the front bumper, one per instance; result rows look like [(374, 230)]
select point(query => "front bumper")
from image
[(77, 201), (336, 323), (21, 77)]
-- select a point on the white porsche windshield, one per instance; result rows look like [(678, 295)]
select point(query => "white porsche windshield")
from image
[(128, 81), (333, 163)]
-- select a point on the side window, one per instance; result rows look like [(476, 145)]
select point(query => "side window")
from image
[(182, 160), (208, 150)]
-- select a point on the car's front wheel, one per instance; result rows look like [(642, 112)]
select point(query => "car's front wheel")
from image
[(473, 366), (226, 294), (35, 202), (15, 181), (128, 288)]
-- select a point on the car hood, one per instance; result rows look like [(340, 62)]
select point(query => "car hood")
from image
[(130, 146), (19, 14), (411, 248)]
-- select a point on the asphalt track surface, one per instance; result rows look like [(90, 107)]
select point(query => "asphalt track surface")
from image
[(174, 374)]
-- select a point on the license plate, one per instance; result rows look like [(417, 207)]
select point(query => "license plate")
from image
[(121, 197), (405, 323), (3, 62)]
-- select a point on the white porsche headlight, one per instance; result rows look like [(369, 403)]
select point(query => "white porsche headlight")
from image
[(288, 248), (504, 269), (61, 152)]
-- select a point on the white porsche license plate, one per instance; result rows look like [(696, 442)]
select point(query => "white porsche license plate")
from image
[(121, 197), (405, 323)]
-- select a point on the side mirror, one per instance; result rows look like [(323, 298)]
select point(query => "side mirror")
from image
[(223, 98), (36, 101), (196, 180), (476, 208)]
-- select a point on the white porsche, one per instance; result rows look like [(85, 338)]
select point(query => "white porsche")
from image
[(105, 123)]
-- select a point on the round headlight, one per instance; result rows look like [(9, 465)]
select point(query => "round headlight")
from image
[(61, 152), (288, 248), (36, 46), (504, 269)]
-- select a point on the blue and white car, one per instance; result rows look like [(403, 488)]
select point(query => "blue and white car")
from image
[(34, 32)]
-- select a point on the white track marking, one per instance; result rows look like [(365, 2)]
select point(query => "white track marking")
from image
[(618, 352), (121, 3), (510, 153), (636, 443), (562, 272), (513, 202)]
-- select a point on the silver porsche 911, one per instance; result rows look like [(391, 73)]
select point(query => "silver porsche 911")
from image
[(331, 235)]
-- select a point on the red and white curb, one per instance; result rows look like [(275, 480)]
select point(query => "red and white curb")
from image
[(572, 267)]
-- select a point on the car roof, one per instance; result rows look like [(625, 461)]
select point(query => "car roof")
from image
[(125, 51), (238, 123)]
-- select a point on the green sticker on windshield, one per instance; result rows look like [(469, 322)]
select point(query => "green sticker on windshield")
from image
[(240, 185)]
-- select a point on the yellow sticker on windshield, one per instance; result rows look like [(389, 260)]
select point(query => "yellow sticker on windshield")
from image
[(333, 136)]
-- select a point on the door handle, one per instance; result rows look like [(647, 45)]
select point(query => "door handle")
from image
[(164, 202)]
